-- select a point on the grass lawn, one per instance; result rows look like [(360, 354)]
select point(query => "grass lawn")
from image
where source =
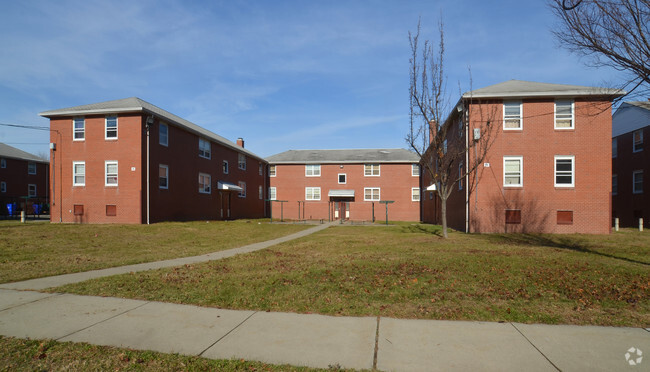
[(408, 271), (47, 355), (39, 249)]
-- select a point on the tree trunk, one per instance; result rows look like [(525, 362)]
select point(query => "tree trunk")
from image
[(443, 216)]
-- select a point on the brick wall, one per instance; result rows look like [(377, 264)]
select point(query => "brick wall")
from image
[(628, 206), (17, 180)]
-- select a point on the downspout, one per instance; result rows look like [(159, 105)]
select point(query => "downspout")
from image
[(466, 173), (148, 127)]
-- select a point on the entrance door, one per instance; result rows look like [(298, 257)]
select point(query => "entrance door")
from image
[(344, 208)]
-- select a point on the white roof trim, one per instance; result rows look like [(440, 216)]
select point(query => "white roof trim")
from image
[(226, 186)]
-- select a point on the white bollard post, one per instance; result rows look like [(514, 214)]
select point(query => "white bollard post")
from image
[(22, 216), (640, 224), (616, 224)]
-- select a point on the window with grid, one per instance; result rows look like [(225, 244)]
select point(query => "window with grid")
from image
[(31, 168), (415, 170), (512, 115), (3, 186), (111, 127), (78, 173), (638, 140), (272, 170), (241, 161), (272, 193), (3, 163), (225, 167), (78, 129), (261, 169), (204, 183), (637, 182), (564, 114), (564, 171), (111, 173), (163, 176), (163, 134), (242, 193), (371, 170), (261, 192), (371, 194), (312, 170), (343, 178), (415, 194), (31, 190), (312, 193), (204, 148), (513, 175)]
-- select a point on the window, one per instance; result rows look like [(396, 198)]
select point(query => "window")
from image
[(31, 168), (3, 186), (638, 140), (3, 163), (111, 127), (342, 178), (78, 209), (225, 167), (461, 128), (312, 170), (371, 170), (415, 194), (78, 173), (565, 217), (460, 176), (204, 148), (31, 190), (261, 169), (111, 173), (242, 193), (444, 147), (312, 193), (513, 216), (204, 183), (614, 184), (163, 134), (564, 114), (272, 170), (564, 171), (614, 147), (111, 210), (512, 115), (371, 194), (272, 193), (241, 161), (415, 170), (637, 182), (261, 192), (79, 129), (163, 176), (513, 171)]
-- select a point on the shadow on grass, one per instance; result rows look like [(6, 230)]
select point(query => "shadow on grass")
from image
[(423, 229), (561, 242)]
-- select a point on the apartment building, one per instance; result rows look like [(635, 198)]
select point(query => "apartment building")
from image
[(23, 182)]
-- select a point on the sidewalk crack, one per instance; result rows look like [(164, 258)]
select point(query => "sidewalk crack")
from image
[(374, 358), (229, 332), (536, 348)]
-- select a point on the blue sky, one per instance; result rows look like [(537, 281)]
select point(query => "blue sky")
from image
[(281, 74)]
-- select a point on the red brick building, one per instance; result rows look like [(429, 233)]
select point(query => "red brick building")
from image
[(128, 161), (23, 182), (631, 163), (348, 184), (549, 167)]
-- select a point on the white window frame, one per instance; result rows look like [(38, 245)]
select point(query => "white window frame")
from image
[(205, 148), (312, 170), (372, 194), (106, 119), (242, 193), (31, 193), (564, 116), (614, 147), (614, 184), (163, 139), (273, 193), (640, 143), (634, 176), (572, 172), (3, 163), (372, 170), (166, 168), (345, 178), (520, 117), (82, 130), (203, 177), (272, 170), (107, 174), (415, 170), (75, 174), (512, 174), (261, 169), (415, 194), (31, 168), (225, 167), (311, 193), (241, 161), (3, 186)]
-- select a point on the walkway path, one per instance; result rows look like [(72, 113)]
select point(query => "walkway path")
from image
[(309, 339)]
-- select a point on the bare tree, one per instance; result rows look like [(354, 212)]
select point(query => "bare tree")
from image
[(611, 33), (438, 135)]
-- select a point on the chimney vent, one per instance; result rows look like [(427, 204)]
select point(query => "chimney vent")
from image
[(240, 142)]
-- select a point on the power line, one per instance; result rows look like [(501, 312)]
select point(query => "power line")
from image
[(25, 126)]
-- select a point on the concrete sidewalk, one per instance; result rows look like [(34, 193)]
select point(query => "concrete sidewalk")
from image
[(320, 341)]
